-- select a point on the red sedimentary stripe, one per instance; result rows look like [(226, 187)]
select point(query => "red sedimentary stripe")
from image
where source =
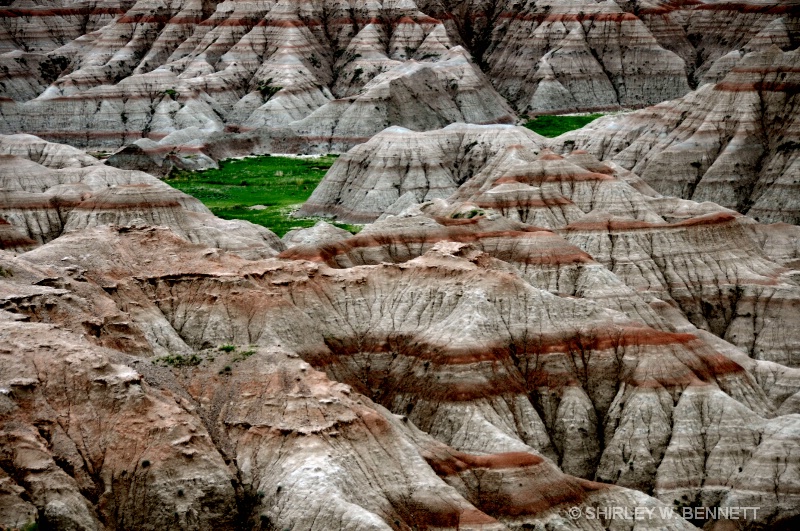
[(547, 176), (759, 86), (488, 201), (537, 486), (456, 462), (627, 225), (284, 23), (123, 203), (540, 18), (545, 344), (31, 203), (14, 241), (696, 365), (551, 156), (767, 69), (327, 253), (59, 12), (779, 8), (10, 238)]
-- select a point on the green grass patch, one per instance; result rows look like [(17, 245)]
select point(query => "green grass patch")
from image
[(553, 126), (279, 184)]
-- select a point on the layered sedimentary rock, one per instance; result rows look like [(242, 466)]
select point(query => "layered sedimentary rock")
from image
[(520, 328), (176, 75), (39, 203), (453, 340), (780, 241), (581, 56), (699, 259), (397, 163), (325, 76), (316, 447), (734, 143), (320, 233), (475, 370), (49, 154)]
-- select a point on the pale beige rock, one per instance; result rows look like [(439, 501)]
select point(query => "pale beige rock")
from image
[(320, 233)]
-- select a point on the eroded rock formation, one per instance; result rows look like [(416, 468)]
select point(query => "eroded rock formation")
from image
[(452, 365), (521, 327), (39, 203), (734, 143), (185, 77)]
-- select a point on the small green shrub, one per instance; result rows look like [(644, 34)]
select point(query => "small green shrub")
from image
[(268, 90), (468, 215), (227, 348), (178, 360), (244, 355)]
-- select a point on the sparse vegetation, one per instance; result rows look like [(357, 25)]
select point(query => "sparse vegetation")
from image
[(179, 360), (468, 214), (5, 273), (275, 185), (227, 348), (268, 90), (553, 126), (243, 355)]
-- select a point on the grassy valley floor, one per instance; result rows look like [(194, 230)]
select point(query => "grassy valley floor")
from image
[(265, 190), (553, 126), (276, 186)]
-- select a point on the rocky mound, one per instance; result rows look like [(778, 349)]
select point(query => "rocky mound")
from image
[(39, 203), (734, 143), (402, 166)]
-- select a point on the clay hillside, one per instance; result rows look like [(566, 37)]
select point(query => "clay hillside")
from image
[(461, 325)]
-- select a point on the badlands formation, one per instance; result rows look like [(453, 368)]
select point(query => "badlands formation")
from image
[(188, 82), (523, 331)]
